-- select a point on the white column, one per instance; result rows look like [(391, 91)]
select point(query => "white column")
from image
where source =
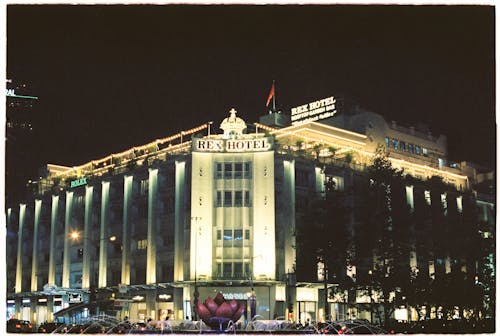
[(88, 247), (180, 172), (152, 216), (19, 265), (52, 249), (289, 213), (127, 194), (67, 227), (34, 259), (103, 249), (264, 242)]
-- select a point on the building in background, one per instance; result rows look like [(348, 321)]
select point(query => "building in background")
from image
[(147, 232)]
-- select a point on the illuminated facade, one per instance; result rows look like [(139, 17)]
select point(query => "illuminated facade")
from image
[(199, 212)]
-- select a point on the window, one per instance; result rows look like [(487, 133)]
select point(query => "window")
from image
[(228, 199), (233, 170), (247, 234), (144, 187), (226, 268), (142, 244), (425, 151), (228, 235), (218, 201), (238, 198), (427, 196), (411, 148), (238, 269), (238, 235), (387, 141), (402, 146), (225, 198), (228, 170), (218, 172), (219, 235), (395, 143), (417, 150)]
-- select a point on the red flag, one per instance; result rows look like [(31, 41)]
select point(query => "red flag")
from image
[(271, 95)]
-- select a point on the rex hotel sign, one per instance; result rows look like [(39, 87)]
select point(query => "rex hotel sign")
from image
[(232, 145)]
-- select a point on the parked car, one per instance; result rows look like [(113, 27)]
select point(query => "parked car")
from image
[(48, 327), (18, 326)]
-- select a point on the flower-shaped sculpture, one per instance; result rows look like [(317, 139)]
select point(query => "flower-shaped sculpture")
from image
[(216, 313)]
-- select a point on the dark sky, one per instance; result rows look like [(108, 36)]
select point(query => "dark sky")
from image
[(111, 77)]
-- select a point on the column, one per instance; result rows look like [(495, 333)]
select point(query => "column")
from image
[(19, 265), (127, 194), (103, 249), (152, 215), (67, 227), (52, 248), (180, 172), (34, 262), (88, 247), (289, 213)]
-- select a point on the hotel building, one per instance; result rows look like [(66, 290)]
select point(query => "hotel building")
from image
[(146, 232)]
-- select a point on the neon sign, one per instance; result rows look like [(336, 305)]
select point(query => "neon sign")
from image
[(79, 182), (232, 145), (316, 110)]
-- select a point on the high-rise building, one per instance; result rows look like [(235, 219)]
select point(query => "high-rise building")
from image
[(149, 231)]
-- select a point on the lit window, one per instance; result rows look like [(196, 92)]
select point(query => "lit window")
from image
[(387, 141), (395, 143), (417, 150), (144, 187), (459, 204), (402, 146), (142, 244), (425, 151), (427, 196), (411, 148)]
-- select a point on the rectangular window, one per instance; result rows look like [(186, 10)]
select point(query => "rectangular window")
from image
[(144, 187), (238, 198), (228, 199), (459, 204), (142, 244), (228, 235), (247, 173), (427, 196), (238, 170), (247, 234), (395, 143), (387, 141), (218, 171), (417, 150), (425, 151), (411, 148), (247, 268), (219, 268), (218, 201), (227, 269), (219, 235), (247, 198), (402, 146), (238, 235), (238, 269), (228, 170)]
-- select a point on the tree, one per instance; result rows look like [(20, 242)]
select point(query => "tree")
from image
[(379, 242), (323, 238)]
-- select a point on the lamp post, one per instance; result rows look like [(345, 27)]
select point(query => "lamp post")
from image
[(196, 294), (75, 236)]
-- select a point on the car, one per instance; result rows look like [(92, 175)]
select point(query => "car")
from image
[(48, 327), (18, 326)]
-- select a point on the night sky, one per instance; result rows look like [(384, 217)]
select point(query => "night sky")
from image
[(112, 77)]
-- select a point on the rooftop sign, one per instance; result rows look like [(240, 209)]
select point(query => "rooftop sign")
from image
[(232, 145), (316, 110)]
